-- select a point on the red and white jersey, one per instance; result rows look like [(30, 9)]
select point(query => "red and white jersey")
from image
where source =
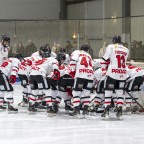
[(44, 66), (25, 66), (100, 74), (81, 63), (134, 71), (117, 55), (64, 70), (36, 56), (10, 66), (3, 53)]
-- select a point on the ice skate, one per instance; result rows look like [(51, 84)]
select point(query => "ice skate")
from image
[(85, 110), (32, 109), (11, 109), (68, 108), (119, 113), (24, 103), (105, 114), (55, 107), (76, 112), (50, 111), (2, 108), (135, 109), (93, 110), (40, 106)]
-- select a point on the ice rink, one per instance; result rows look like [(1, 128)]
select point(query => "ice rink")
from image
[(22, 128)]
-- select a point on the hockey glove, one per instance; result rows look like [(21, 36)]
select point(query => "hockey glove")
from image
[(12, 79), (56, 75)]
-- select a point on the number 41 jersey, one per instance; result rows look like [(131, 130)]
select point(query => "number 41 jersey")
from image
[(81, 63), (117, 54)]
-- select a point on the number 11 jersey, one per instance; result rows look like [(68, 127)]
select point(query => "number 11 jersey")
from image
[(117, 54)]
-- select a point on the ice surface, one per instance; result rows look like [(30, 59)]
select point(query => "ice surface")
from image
[(22, 128)]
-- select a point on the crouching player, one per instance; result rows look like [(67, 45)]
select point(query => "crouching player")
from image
[(8, 72), (65, 84)]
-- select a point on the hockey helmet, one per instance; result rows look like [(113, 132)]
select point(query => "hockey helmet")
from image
[(85, 47), (117, 39), (62, 50), (60, 57), (5, 40), (20, 57), (45, 51)]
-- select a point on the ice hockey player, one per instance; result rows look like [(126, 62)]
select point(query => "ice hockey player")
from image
[(4, 48), (23, 73), (134, 81), (38, 80), (81, 64), (45, 48), (8, 72), (67, 57), (99, 78), (116, 74), (65, 84)]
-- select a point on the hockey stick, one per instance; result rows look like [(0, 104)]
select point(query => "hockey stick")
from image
[(135, 100)]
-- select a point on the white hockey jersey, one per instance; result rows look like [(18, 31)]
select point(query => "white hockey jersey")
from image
[(117, 54), (3, 53), (36, 56), (44, 66), (134, 71), (99, 75), (10, 66), (81, 62), (25, 67), (64, 70)]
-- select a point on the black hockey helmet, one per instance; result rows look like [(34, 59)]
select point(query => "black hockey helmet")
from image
[(5, 38), (62, 50), (20, 57), (85, 47), (60, 57), (45, 51), (117, 39)]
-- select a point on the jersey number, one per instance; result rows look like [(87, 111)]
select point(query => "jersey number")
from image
[(121, 61), (85, 63)]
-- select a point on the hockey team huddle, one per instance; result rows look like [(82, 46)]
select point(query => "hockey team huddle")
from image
[(47, 78)]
